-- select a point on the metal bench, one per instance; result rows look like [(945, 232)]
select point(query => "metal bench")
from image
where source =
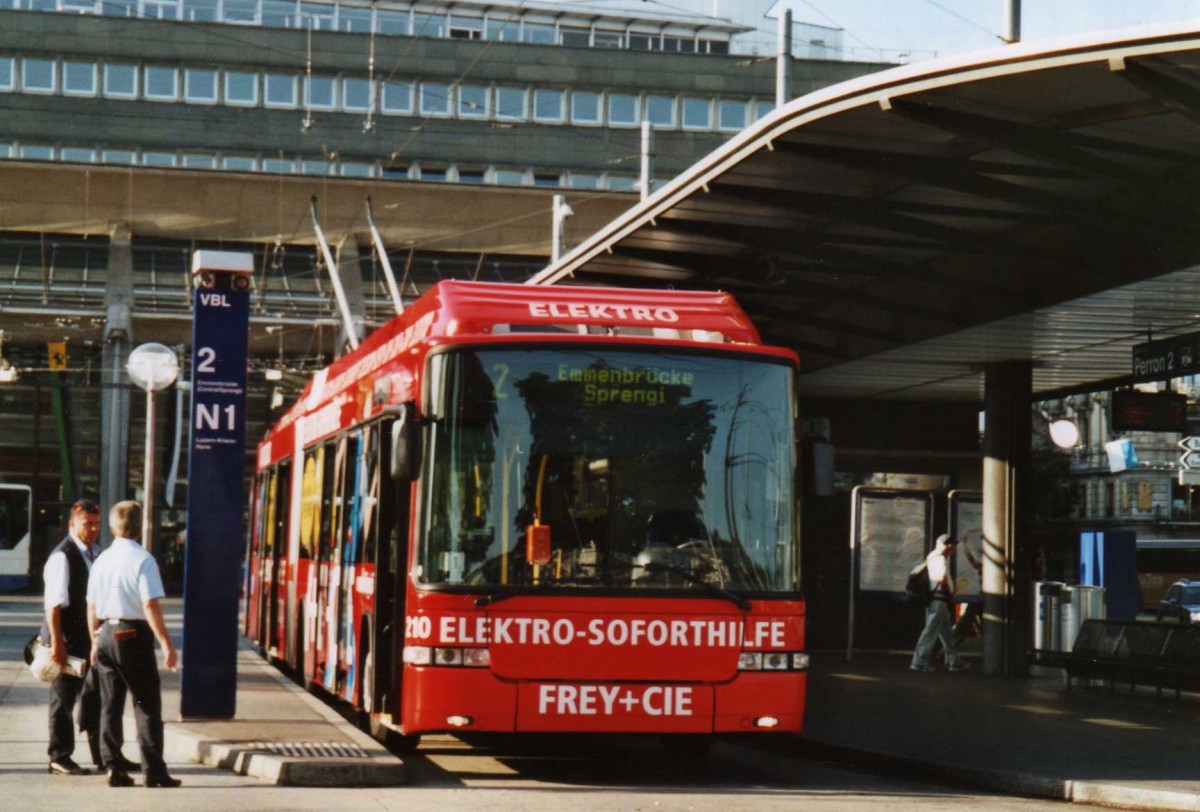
[(1162, 655)]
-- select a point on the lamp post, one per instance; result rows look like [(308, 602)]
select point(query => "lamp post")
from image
[(153, 368)]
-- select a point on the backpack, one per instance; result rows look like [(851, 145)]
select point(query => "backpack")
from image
[(917, 587)]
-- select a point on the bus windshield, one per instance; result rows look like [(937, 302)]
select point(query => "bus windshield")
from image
[(609, 469)]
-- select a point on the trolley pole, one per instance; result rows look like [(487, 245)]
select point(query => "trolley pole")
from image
[(783, 62), (216, 469)]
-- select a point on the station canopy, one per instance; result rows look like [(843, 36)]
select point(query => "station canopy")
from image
[(1038, 201)]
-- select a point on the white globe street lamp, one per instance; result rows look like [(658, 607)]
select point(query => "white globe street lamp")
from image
[(152, 367)]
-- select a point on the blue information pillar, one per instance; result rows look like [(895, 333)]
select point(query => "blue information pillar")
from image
[(216, 470)]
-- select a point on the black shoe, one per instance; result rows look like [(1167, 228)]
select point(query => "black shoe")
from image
[(163, 780), (119, 778), (66, 766), (124, 765)]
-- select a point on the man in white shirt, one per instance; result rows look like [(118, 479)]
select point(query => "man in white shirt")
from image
[(124, 611), (65, 631), (937, 615)]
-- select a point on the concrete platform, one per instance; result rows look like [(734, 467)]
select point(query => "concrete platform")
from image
[(280, 734)]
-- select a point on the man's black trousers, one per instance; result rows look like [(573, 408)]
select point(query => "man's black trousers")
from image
[(126, 659)]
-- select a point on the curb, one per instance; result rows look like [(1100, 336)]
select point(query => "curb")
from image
[(1034, 786), (379, 768)]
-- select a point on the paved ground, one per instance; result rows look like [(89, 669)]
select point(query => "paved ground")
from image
[(1027, 736)]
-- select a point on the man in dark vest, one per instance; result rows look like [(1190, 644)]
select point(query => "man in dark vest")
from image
[(65, 630)]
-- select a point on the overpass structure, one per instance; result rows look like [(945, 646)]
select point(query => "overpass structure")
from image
[(982, 231)]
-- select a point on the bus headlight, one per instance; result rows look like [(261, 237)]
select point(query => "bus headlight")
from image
[(772, 661), (418, 655)]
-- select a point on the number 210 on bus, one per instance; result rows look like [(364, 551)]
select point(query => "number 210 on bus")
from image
[(519, 508)]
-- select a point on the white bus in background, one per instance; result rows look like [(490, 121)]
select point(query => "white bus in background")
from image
[(16, 522)]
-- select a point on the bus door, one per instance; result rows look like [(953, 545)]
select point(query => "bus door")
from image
[(279, 559), (323, 556), (266, 562), (254, 557), (373, 653), (351, 551), (388, 536), (332, 555), (306, 574)]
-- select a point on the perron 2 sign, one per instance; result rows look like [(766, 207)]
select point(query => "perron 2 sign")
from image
[(216, 470)]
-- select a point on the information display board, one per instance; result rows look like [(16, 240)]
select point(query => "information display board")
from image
[(893, 534), (966, 525)]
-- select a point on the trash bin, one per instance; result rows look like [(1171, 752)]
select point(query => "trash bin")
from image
[(1079, 603), (1047, 611)]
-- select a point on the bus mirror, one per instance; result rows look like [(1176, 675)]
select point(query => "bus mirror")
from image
[(406, 445), (537, 544)]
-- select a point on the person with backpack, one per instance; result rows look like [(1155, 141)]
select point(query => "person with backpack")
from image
[(938, 622)]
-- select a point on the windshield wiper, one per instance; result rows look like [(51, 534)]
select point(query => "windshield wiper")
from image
[(513, 590), (691, 577)]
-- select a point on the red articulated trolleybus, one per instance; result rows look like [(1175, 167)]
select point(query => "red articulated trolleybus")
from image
[(519, 508)]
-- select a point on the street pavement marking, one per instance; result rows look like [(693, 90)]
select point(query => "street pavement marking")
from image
[(857, 677), (1119, 723), (1036, 709)]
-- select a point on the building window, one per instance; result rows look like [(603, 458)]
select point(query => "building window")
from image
[(280, 90), (35, 152), (76, 6), (241, 88), (280, 14), (119, 8), (585, 107), (582, 181), (501, 26), (356, 95), (643, 42), (124, 157), (120, 81), (77, 155), (575, 37), (278, 165), (697, 114), (200, 11), (435, 99), (462, 27), (244, 12), (548, 105), (538, 33), (471, 175), (162, 83), (397, 97), (622, 110), (315, 167), (660, 110), (6, 73), (394, 23), (158, 159), (355, 169), (473, 101), (37, 76), (316, 16), (433, 173), (200, 85), (717, 46), (546, 179), (622, 182), (199, 162), (608, 39), (160, 9), (510, 103), (239, 163), (354, 19), (761, 108), (79, 78), (394, 171), (508, 177), (429, 25), (319, 93), (731, 115)]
